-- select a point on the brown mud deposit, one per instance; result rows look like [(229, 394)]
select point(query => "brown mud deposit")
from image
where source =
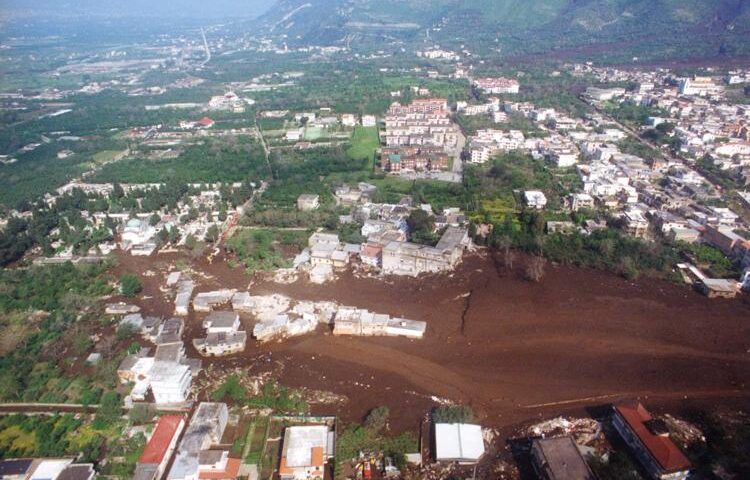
[(513, 350)]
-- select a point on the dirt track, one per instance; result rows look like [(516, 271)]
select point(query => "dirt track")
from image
[(511, 349)]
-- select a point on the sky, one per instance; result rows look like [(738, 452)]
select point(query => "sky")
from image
[(181, 8)]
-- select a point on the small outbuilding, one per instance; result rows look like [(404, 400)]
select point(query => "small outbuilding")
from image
[(462, 443)]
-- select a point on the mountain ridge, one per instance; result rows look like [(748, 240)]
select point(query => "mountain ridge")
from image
[(516, 26)]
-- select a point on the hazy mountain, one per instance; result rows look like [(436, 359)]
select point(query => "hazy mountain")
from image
[(517, 26), (147, 8)]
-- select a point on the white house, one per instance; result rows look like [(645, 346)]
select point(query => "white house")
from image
[(369, 121), (170, 382), (222, 322), (305, 451), (535, 199)]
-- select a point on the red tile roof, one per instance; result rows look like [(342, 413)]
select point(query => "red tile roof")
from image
[(167, 427), (205, 121), (664, 451)]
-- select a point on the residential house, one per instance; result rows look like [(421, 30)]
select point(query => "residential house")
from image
[(224, 336), (535, 199), (158, 452), (649, 440), (305, 452), (205, 429)]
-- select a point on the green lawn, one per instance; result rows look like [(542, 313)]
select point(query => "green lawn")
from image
[(364, 143), (315, 133), (105, 156)]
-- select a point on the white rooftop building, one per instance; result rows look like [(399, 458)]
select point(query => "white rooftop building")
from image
[(170, 382), (305, 451), (535, 199), (458, 442)]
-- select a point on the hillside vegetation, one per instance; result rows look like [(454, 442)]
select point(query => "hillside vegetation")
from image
[(644, 27)]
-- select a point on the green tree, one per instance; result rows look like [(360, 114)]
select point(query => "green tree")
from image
[(130, 285), (154, 219), (231, 388), (141, 414), (212, 234), (421, 226)]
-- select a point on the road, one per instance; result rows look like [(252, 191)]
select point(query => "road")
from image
[(53, 408), (7, 408), (266, 149)]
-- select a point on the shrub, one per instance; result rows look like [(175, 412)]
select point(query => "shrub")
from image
[(453, 414), (377, 419)]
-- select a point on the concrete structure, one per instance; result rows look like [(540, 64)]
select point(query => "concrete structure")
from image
[(649, 440), (222, 322), (136, 232), (48, 468), (205, 301), (718, 287), (458, 442), (205, 429), (535, 199), (361, 322), (223, 337), (308, 202), (401, 258), (305, 451), (77, 471), (559, 459), (182, 298), (15, 469), (170, 331), (170, 382), (498, 85)]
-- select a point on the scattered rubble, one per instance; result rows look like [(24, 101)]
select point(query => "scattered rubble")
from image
[(585, 431)]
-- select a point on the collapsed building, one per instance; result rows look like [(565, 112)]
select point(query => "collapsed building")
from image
[(280, 317), (206, 301), (404, 258)]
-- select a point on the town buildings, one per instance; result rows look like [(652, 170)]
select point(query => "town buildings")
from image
[(419, 137), (500, 85)]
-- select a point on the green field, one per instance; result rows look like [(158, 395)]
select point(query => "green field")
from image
[(105, 156), (364, 143), (315, 133)]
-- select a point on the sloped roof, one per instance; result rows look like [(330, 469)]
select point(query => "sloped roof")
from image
[(166, 428), (662, 449)]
